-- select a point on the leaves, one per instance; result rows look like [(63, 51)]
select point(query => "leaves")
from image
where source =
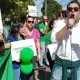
[(52, 8), (13, 8)]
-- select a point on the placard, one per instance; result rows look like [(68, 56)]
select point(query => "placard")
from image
[(32, 11), (17, 46)]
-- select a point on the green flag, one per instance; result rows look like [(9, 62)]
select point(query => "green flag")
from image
[(6, 69)]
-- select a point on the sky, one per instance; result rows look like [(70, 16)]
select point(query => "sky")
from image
[(39, 4)]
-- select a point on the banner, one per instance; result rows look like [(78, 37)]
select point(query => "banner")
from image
[(6, 68), (17, 46), (32, 11)]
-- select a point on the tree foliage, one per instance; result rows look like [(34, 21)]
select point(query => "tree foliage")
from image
[(52, 8), (13, 8)]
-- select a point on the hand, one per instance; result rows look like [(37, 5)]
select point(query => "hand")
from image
[(38, 57), (71, 22), (23, 32)]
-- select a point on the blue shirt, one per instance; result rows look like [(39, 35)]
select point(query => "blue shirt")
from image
[(11, 38)]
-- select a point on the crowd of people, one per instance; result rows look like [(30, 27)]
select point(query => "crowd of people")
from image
[(62, 29)]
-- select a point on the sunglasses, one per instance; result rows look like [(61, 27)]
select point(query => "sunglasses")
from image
[(30, 21), (71, 8), (46, 20)]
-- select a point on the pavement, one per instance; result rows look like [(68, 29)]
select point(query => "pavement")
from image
[(41, 73)]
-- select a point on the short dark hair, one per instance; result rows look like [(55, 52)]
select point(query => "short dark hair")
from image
[(73, 2), (29, 17), (15, 28)]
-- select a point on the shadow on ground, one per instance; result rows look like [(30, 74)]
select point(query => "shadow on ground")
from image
[(43, 75)]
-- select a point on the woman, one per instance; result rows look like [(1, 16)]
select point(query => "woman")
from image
[(15, 35), (30, 32)]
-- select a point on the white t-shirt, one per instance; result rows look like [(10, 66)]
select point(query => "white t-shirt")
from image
[(69, 47)]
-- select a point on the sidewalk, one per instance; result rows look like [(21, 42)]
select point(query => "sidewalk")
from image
[(42, 75)]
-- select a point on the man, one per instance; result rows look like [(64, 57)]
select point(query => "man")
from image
[(43, 27), (65, 33)]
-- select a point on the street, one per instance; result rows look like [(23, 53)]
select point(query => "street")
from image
[(42, 73)]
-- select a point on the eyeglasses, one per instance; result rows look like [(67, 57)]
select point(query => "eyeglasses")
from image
[(71, 8), (30, 21), (46, 20)]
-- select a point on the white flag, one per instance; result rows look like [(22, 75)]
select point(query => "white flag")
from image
[(1, 26)]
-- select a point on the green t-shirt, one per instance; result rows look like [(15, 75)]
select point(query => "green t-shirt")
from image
[(41, 26), (48, 38)]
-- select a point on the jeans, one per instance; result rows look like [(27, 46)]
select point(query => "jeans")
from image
[(57, 73), (24, 76), (42, 52), (16, 74)]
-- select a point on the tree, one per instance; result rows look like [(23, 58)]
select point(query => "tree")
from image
[(52, 8), (16, 8), (4, 5)]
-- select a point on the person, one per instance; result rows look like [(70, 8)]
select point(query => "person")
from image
[(15, 35), (3, 45), (48, 35), (6, 28), (48, 43), (65, 33), (30, 32), (43, 28)]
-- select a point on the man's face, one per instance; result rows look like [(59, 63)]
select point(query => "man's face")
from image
[(30, 22), (73, 8), (45, 19)]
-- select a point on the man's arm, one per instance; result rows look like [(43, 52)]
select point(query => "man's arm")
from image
[(70, 23), (60, 35)]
